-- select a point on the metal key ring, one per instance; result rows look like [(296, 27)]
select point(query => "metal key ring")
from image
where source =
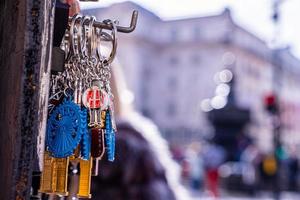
[(72, 42), (82, 37), (91, 37), (106, 37), (98, 33), (114, 41)]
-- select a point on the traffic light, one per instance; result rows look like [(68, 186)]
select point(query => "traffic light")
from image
[(271, 104)]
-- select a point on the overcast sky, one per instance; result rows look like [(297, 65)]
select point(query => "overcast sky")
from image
[(254, 15)]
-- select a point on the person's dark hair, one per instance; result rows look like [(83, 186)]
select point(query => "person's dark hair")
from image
[(136, 174)]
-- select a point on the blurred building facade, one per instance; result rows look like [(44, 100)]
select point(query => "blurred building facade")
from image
[(171, 68)]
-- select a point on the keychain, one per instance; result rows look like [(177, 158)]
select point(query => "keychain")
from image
[(64, 129), (81, 126), (109, 137)]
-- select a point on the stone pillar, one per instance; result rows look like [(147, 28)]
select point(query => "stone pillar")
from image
[(25, 41)]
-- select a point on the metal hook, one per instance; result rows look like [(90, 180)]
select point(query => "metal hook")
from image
[(121, 29)]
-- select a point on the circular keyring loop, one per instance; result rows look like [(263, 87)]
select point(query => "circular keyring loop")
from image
[(106, 37), (98, 32), (91, 37), (82, 37), (114, 41), (72, 42)]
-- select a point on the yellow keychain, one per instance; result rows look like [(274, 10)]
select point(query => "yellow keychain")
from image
[(54, 177), (47, 184), (61, 173), (85, 178)]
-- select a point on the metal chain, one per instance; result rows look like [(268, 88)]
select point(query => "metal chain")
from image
[(84, 61)]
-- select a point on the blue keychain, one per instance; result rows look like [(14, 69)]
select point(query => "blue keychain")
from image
[(109, 137), (64, 130), (85, 145)]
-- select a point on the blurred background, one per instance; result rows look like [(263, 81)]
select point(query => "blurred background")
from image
[(220, 79)]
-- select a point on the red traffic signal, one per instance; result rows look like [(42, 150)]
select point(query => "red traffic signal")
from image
[(270, 103)]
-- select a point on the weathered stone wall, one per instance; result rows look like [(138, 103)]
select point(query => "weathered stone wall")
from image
[(25, 40)]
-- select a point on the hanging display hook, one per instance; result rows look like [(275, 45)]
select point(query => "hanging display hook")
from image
[(121, 29)]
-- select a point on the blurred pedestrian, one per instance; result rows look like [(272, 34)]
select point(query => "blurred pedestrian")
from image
[(196, 165), (213, 156), (177, 152), (250, 156)]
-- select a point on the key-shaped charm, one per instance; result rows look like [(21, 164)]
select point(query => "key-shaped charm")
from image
[(85, 178), (109, 137), (47, 184), (85, 144), (91, 100), (96, 100), (61, 166), (112, 114), (98, 144), (54, 177)]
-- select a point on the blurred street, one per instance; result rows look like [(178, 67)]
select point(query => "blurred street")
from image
[(234, 196), (233, 130)]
